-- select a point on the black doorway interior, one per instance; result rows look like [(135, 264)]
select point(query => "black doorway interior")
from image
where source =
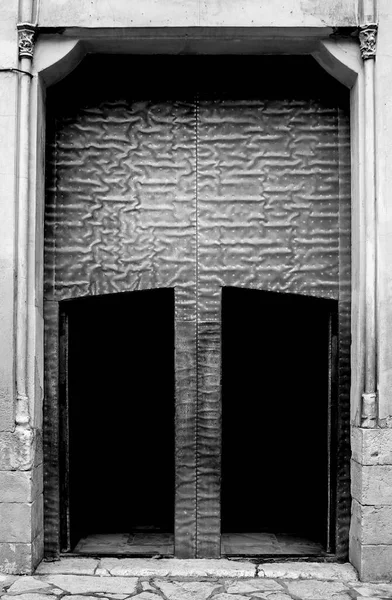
[(277, 387), (119, 373)]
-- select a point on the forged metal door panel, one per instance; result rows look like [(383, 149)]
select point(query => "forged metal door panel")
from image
[(120, 216), (273, 214)]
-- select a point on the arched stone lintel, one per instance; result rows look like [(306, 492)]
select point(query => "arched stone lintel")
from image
[(56, 56), (341, 58)]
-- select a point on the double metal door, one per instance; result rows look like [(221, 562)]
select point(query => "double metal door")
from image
[(197, 183)]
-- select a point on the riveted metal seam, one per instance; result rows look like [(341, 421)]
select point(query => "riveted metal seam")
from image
[(197, 316)]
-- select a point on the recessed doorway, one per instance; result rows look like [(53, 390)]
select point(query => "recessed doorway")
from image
[(277, 395), (118, 404), (196, 184)]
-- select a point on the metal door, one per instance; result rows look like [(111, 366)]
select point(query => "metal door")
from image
[(197, 178)]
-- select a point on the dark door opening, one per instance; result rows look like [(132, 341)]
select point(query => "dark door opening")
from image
[(119, 369), (277, 370)]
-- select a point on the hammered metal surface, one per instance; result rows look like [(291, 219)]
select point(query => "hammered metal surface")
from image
[(268, 198), (223, 188), (343, 454), (185, 432), (51, 440), (124, 203)]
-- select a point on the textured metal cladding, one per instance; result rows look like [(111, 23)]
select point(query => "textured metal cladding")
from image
[(343, 496), (51, 433), (50, 213), (268, 198), (185, 452), (209, 432), (125, 213)]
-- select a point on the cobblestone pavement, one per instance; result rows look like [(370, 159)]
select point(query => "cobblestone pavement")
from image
[(143, 579)]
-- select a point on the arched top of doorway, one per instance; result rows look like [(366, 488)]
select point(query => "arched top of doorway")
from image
[(58, 54)]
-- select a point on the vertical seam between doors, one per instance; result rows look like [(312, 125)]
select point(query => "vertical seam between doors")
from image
[(197, 313)]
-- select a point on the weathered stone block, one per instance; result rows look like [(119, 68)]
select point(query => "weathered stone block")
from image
[(37, 517), (38, 448), (37, 553), (253, 586), (355, 550), (371, 446), (15, 558), (69, 565), (37, 481), (374, 562), (17, 449), (318, 590), (15, 522), (173, 567), (15, 486), (193, 14), (309, 570), (372, 524), (20, 524), (21, 486), (371, 484), (84, 584), (27, 584)]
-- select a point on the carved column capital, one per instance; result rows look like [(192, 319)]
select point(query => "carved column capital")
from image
[(368, 40), (26, 38)]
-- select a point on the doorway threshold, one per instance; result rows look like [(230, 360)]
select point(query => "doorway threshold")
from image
[(196, 567), (126, 544), (241, 545), (269, 544)]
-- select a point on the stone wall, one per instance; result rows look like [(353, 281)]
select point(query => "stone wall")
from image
[(371, 475), (21, 498), (371, 524), (199, 13), (21, 464)]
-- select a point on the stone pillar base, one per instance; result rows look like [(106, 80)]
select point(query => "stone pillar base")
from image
[(371, 487), (21, 501)]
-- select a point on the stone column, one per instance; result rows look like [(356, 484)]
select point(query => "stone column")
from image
[(371, 526), (21, 499)]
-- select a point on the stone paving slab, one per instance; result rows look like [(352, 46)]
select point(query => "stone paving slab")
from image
[(75, 566), (83, 584), (172, 567), (171, 579), (88, 587), (308, 570)]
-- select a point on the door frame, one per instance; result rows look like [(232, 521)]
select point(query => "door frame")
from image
[(54, 59)]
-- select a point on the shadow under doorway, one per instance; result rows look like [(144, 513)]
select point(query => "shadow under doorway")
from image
[(277, 388), (118, 390)]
